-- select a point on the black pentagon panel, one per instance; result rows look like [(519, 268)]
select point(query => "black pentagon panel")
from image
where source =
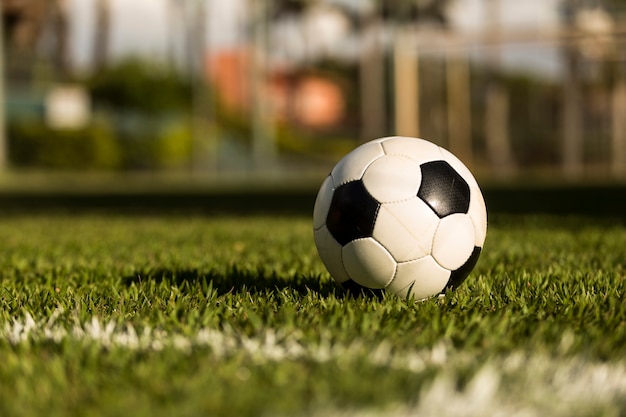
[(443, 189), (352, 213), (458, 276)]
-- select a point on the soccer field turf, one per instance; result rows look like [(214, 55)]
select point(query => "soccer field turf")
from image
[(196, 315)]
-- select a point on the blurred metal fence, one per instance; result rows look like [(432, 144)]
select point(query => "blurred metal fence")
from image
[(307, 81)]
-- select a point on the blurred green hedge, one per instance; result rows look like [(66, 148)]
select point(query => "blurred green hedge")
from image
[(102, 145), (32, 144), (140, 121), (155, 142)]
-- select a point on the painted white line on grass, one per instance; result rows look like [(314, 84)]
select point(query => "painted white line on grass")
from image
[(270, 346), (515, 384)]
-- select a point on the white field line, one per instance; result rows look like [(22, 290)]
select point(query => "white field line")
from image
[(517, 384), (271, 346)]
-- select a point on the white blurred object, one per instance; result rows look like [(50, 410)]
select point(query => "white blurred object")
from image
[(68, 107), (595, 21)]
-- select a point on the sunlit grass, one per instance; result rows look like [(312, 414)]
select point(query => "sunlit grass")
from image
[(164, 315)]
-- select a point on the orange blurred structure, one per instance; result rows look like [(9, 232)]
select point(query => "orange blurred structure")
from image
[(310, 100)]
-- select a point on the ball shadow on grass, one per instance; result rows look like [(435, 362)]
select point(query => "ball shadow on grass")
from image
[(239, 280), (354, 290)]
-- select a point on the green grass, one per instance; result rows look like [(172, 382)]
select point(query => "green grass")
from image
[(107, 315)]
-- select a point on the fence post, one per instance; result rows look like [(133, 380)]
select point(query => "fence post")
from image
[(406, 82), (372, 81), (264, 152), (497, 99), (459, 108), (3, 133), (618, 127), (572, 116)]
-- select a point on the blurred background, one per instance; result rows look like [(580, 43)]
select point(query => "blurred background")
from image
[(110, 93)]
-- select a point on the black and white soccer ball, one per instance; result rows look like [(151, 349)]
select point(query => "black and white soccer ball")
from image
[(400, 214)]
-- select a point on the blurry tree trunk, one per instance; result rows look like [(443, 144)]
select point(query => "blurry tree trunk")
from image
[(572, 126), (175, 21), (373, 82), (24, 24), (102, 34), (497, 128), (572, 115), (61, 56), (497, 100), (264, 151), (190, 41), (3, 137), (204, 150), (459, 109), (618, 154), (406, 83)]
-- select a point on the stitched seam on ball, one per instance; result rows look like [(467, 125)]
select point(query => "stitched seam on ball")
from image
[(432, 244), (409, 231), (410, 159), (343, 265), (474, 228), (393, 278), (376, 213), (335, 186), (400, 201), (483, 232), (395, 274), (439, 148), (395, 271), (415, 259), (382, 143)]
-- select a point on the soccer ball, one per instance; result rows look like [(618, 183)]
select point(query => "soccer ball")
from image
[(400, 214)]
